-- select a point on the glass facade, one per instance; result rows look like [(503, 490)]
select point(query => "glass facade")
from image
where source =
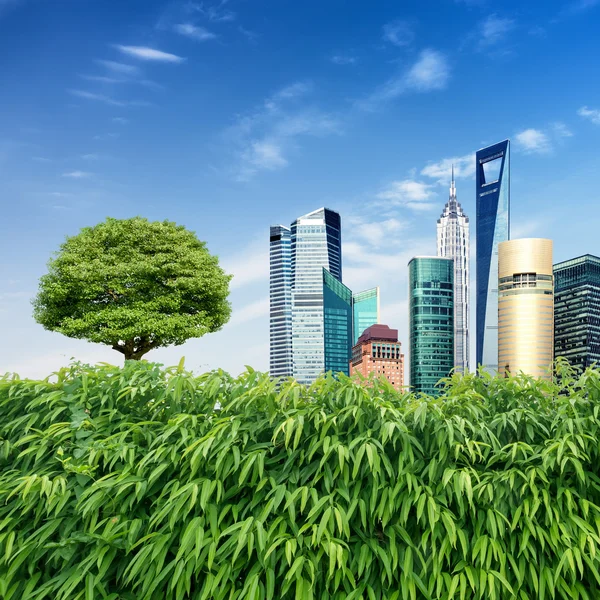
[(337, 324), (577, 310), (315, 244), (431, 321), (453, 241), (280, 300), (493, 206), (365, 311)]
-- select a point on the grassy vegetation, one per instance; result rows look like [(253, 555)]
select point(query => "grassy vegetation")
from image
[(129, 484)]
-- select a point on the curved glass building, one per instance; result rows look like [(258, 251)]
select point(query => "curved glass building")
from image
[(431, 321)]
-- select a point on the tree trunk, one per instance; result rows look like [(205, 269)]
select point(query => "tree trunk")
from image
[(134, 350)]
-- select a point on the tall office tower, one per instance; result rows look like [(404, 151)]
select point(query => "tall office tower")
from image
[(577, 310), (315, 244), (280, 295), (431, 321), (366, 311), (453, 242), (493, 206), (525, 307), (337, 324), (378, 351)]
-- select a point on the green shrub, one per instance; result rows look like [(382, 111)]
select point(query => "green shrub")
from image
[(130, 484)]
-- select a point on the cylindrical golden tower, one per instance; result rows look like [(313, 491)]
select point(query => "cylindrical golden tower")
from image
[(525, 307)]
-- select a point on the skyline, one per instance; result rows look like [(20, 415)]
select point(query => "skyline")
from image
[(138, 110)]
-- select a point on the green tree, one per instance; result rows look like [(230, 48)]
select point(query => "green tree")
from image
[(142, 483), (133, 285)]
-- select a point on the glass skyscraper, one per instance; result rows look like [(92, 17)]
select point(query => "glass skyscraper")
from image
[(577, 310), (337, 319), (493, 206), (280, 326), (365, 311), (453, 242), (431, 321)]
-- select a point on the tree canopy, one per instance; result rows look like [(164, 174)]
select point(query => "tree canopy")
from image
[(134, 285), (151, 484)]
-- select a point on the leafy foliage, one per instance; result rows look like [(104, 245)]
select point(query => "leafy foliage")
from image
[(134, 285), (130, 484)]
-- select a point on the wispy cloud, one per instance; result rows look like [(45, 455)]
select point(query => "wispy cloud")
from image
[(343, 59), (592, 114), (97, 97), (494, 30), (151, 54), (408, 193), (579, 6), (265, 137), (106, 136), (77, 174), (533, 141), (117, 67), (430, 72), (376, 233), (249, 266), (464, 166), (251, 36), (399, 33), (120, 120), (561, 130), (200, 34), (215, 12), (251, 311), (102, 79)]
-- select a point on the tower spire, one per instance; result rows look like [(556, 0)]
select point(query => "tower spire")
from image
[(452, 186)]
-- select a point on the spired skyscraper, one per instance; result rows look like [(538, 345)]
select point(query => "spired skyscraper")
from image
[(453, 242), (493, 206), (313, 315)]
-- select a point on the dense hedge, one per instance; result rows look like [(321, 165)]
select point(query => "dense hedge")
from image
[(129, 484)]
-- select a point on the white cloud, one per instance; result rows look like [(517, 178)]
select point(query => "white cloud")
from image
[(342, 59), (145, 53), (200, 34), (409, 193), (265, 154), (494, 30), (533, 141), (106, 136), (117, 67), (96, 97), (249, 266), (399, 33), (561, 130), (464, 166), (430, 72), (77, 174), (251, 311), (592, 114), (90, 156), (375, 233), (101, 79), (215, 12)]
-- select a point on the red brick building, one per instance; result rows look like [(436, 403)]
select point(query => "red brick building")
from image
[(379, 351)]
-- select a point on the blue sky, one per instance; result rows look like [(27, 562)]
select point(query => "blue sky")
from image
[(230, 116)]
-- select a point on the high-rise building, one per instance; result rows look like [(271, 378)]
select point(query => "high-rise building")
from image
[(337, 319), (431, 321), (378, 351), (453, 242), (280, 295), (577, 310), (366, 311), (525, 307), (493, 206), (315, 244)]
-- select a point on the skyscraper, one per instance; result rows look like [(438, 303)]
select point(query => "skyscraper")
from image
[(525, 307), (337, 320), (315, 244), (577, 310), (365, 311), (280, 326), (431, 321), (453, 242), (493, 206)]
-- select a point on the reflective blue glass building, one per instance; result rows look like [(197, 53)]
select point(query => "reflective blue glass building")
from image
[(365, 311), (280, 315), (493, 206), (337, 320)]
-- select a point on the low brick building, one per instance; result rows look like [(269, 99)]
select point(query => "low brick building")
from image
[(379, 351)]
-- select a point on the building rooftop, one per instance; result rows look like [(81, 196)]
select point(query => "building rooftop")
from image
[(378, 333)]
